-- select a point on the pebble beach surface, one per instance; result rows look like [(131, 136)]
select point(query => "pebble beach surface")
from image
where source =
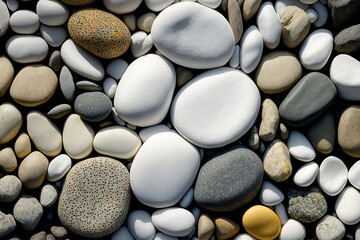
[(180, 119)]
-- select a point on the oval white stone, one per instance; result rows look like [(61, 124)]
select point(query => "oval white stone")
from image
[(156, 5), (216, 108), (354, 175), (251, 48), (306, 174), (312, 14), (293, 230), (235, 58), (24, 22), (244, 236), (347, 206), (193, 36), (281, 212), (58, 167), (54, 36), (146, 133), (177, 222), (52, 12), (141, 43), (164, 156), (144, 94), (269, 25), (140, 225), (4, 18), (316, 49), (300, 147), (122, 6), (270, 195)]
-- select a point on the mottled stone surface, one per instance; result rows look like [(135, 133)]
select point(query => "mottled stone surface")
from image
[(348, 40), (93, 106)]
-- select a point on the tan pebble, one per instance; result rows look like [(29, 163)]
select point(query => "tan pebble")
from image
[(10, 122), (39, 236), (8, 160), (32, 170), (22, 145), (183, 75), (6, 74), (284, 131), (225, 228), (145, 21), (270, 120), (206, 227), (322, 133), (235, 19), (349, 131), (250, 7), (130, 21), (224, 5)]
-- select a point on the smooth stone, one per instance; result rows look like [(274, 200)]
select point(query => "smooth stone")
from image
[(67, 84), (100, 209), (229, 180), (140, 225), (122, 233), (253, 139), (13, 5), (22, 145), (81, 61), (26, 48), (235, 19), (10, 188), (269, 25), (298, 111), (306, 174), (187, 199), (251, 49), (284, 131), (277, 72), (347, 206), (59, 111), (322, 12), (281, 213), (58, 167), (343, 11), (148, 77), (117, 141), (306, 206), (52, 12), (195, 111), (295, 26), (205, 227), (145, 21), (164, 154), (8, 161), (24, 22), (11, 121), (55, 61), (354, 175), (261, 222), (7, 225), (225, 228), (93, 106), (183, 76), (250, 7), (270, 120), (88, 86), (4, 19), (277, 163), (244, 236), (348, 131), (308, 1), (39, 236), (344, 72), (59, 232), (116, 118), (157, 6), (141, 43), (161, 236), (183, 46), (44, 134), (312, 14), (210, 3), (54, 36), (32, 170), (78, 2), (270, 195), (348, 40), (6, 74), (122, 6), (28, 212), (292, 229), (316, 49), (130, 21), (300, 147), (177, 222), (110, 86), (280, 6), (117, 68), (330, 227), (146, 133), (235, 58), (77, 137), (48, 195)]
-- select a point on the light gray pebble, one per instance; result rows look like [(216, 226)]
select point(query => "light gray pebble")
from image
[(145, 21), (67, 85), (10, 187), (28, 212), (88, 86), (59, 111), (330, 227), (7, 224), (253, 140), (39, 236), (48, 195)]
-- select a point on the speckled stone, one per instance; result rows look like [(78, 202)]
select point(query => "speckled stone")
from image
[(348, 40), (322, 133), (28, 212), (59, 111), (229, 180), (95, 198), (99, 32), (93, 106), (270, 120), (349, 131), (306, 206), (8, 160), (55, 61), (10, 187), (78, 2), (330, 227), (59, 232), (7, 224), (6, 74)]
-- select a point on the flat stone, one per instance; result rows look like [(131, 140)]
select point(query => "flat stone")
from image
[(55, 61), (281, 213), (210, 3), (88, 86), (48, 195), (330, 227), (8, 161), (348, 40), (354, 175), (110, 86), (349, 131), (5, 17), (24, 22), (343, 11), (54, 36), (28, 212), (59, 232), (93, 106), (250, 7), (32, 170), (235, 19), (6, 74), (7, 224), (10, 121), (206, 227), (39, 236), (306, 174), (22, 145), (145, 21), (59, 111), (67, 84), (270, 120), (225, 228), (122, 7), (117, 68), (347, 206), (58, 167), (157, 6), (10, 188), (122, 233), (129, 19)]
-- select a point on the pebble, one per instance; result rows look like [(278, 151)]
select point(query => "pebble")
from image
[(330, 227), (88, 86), (213, 51), (284, 131), (110, 86), (208, 129), (32, 170), (52, 12), (13, 5), (235, 58), (59, 232), (300, 147), (292, 229), (146, 133), (348, 130), (157, 6), (78, 2), (250, 7), (103, 207), (206, 227), (122, 233), (55, 61), (270, 195), (4, 19), (161, 236), (343, 11), (141, 43), (8, 161), (28, 212), (298, 111), (210, 3), (347, 206), (312, 14), (116, 68), (280, 6), (7, 225), (48, 195), (270, 120), (67, 84), (10, 188), (281, 213), (225, 228), (251, 49), (306, 174), (93, 106), (354, 175), (261, 222), (26, 48), (58, 167), (54, 36), (77, 137), (244, 236), (183, 76), (348, 40), (163, 154), (39, 236), (254, 139), (316, 49), (187, 199), (145, 21), (59, 111), (140, 225), (229, 180), (22, 145), (122, 7), (130, 21), (277, 72), (235, 19), (24, 22), (6, 74), (177, 222), (11, 121), (322, 12)]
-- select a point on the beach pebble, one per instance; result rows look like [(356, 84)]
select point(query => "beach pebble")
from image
[(145, 21), (280, 6), (211, 3), (205, 227), (146, 133), (6, 74), (251, 48), (93, 106), (8, 161), (122, 6), (88, 86), (225, 228), (347, 206), (10, 188), (52, 12), (54, 36), (253, 138), (130, 21), (24, 22), (312, 14), (183, 75), (322, 12), (32, 170), (58, 167), (8, 224), (162, 236), (300, 147), (293, 230), (306, 174), (122, 233), (157, 6), (28, 212), (348, 40), (59, 232), (22, 145), (110, 86), (67, 85), (116, 68), (281, 212), (235, 58), (48, 195), (343, 11), (284, 131), (348, 131), (187, 199), (141, 43), (270, 195), (182, 46), (354, 175), (235, 19), (11, 121), (59, 111), (55, 61), (330, 227), (4, 19), (140, 226), (249, 9), (270, 120)]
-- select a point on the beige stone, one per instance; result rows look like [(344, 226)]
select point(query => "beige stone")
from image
[(250, 8), (349, 131), (321, 133), (10, 122), (225, 228), (145, 21), (270, 120), (8, 160), (32, 170), (22, 145), (235, 19), (206, 227), (6, 74), (130, 21), (284, 131)]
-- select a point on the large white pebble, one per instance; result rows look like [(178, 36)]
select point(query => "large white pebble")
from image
[(316, 49), (270, 195), (110, 86), (140, 225), (347, 206), (210, 3), (146, 133), (322, 13), (269, 25), (300, 147), (117, 141), (52, 12), (164, 156), (4, 18), (345, 72), (354, 175), (292, 230), (156, 5), (58, 167), (193, 36), (54, 36), (81, 61), (177, 222), (116, 68), (216, 108), (161, 236), (281, 212), (121, 234), (122, 6), (280, 6), (251, 48), (306, 174), (26, 48), (332, 176), (144, 94), (24, 22)]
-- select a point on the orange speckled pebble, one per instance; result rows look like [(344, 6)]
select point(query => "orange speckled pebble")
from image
[(78, 2), (99, 32), (261, 222)]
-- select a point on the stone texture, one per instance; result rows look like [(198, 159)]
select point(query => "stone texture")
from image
[(349, 131), (22, 145), (48, 195), (270, 120), (8, 160), (28, 212), (6, 74), (322, 133), (145, 21), (78, 2), (59, 111), (88, 86), (330, 227), (342, 11), (206, 227), (59, 232), (10, 188), (235, 19), (93, 106), (348, 40), (55, 61), (225, 228), (250, 8), (7, 224), (39, 236), (10, 121), (32, 170)]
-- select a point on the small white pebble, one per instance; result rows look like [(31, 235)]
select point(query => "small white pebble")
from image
[(312, 14)]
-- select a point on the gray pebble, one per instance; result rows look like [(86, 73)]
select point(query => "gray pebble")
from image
[(59, 111), (39, 236), (93, 106), (28, 212), (67, 85), (330, 227), (7, 224), (88, 86), (55, 61), (59, 232), (10, 187)]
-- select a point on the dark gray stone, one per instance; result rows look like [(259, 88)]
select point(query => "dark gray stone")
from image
[(59, 111), (93, 106), (342, 11), (229, 180), (308, 99), (55, 61), (88, 86), (67, 85), (348, 40)]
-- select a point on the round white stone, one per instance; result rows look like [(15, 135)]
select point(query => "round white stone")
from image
[(4, 18), (122, 6), (280, 6), (140, 225), (322, 13), (161, 236), (54, 36), (164, 169), (270, 195), (345, 72), (110, 86), (141, 43), (58, 167), (251, 48), (269, 25), (312, 14), (293, 230), (210, 3), (216, 108), (177, 222), (146, 133), (193, 36), (156, 5), (281, 212), (244, 236), (347, 206), (116, 68), (144, 94), (316, 49), (354, 175), (306, 174), (300, 147), (187, 199), (121, 234), (24, 22), (52, 12)]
